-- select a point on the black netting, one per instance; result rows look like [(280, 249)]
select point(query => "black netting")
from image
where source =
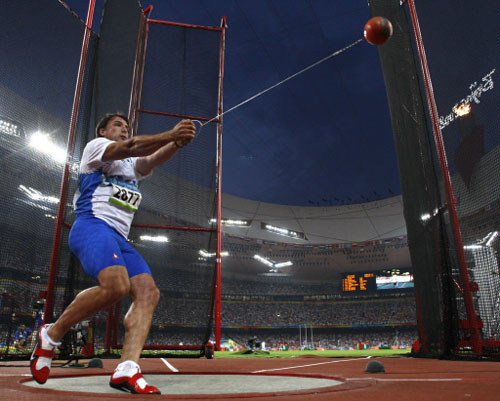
[(463, 64), (182, 192), (181, 73), (41, 45), (464, 77)]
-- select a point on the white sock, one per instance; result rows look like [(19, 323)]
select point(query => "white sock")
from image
[(126, 368), (47, 344)]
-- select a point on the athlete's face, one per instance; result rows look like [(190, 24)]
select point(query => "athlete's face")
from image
[(116, 129)]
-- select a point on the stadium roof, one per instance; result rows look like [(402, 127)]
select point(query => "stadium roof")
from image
[(314, 225)]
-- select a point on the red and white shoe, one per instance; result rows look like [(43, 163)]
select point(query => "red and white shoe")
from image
[(135, 384), (42, 356)]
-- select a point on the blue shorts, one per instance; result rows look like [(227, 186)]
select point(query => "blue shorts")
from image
[(98, 245)]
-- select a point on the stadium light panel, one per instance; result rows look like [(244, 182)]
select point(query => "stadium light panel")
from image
[(271, 263), (206, 254), (9, 128), (282, 231), (233, 222), (41, 141), (283, 264), (425, 217), (263, 260), (156, 238)]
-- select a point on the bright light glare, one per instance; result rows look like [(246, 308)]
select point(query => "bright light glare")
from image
[(263, 260), (43, 143), (231, 222), (425, 217), (37, 195), (283, 264), (272, 264), (492, 238), (473, 246), (282, 231), (206, 254), (157, 238)]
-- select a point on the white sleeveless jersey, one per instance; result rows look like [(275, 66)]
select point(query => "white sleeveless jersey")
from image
[(107, 190)]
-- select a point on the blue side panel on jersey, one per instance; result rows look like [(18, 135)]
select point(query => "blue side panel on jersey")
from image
[(87, 186)]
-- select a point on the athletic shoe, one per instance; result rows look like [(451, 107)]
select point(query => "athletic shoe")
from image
[(42, 356), (135, 384)]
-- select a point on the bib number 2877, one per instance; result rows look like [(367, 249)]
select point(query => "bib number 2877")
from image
[(125, 198)]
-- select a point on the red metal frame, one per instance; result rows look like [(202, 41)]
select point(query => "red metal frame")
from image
[(473, 323), (162, 113), (205, 28), (218, 284), (134, 114), (182, 228), (59, 222), (112, 322), (138, 90)]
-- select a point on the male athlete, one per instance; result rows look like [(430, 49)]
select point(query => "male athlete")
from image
[(107, 197)]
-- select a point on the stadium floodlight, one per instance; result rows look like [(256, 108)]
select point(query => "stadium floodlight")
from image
[(206, 254), (491, 237), (42, 142), (428, 216), (155, 238), (232, 222), (37, 195), (264, 260), (283, 264), (282, 231), (9, 128), (468, 247), (271, 263), (425, 217)]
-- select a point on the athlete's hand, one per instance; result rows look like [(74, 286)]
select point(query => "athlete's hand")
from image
[(184, 132)]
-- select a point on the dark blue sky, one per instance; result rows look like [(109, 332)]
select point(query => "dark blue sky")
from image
[(322, 138)]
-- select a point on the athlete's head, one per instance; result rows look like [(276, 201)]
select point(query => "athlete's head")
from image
[(114, 127)]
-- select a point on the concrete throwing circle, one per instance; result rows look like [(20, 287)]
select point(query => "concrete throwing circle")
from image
[(194, 384)]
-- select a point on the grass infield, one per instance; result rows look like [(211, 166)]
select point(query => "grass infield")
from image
[(326, 354)]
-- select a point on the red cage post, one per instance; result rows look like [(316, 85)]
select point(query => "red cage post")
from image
[(219, 190), (59, 222), (472, 323), (134, 118)]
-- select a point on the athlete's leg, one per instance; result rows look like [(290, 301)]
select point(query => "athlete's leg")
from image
[(145, 296), (114, 284)]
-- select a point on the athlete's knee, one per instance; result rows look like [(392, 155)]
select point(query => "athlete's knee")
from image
[(119, 289), (155, 295), (151, 295), (148, 296), (115, 282)]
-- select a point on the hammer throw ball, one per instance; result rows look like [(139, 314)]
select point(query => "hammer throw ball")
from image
[(378, 30)]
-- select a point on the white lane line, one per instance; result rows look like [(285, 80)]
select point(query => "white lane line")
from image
[(173, 369), (404, 380), (306, 366), (15, 374)]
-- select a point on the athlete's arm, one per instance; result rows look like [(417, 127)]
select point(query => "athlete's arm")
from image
[(145, 145)]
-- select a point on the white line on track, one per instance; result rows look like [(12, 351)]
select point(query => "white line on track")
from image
[(173, 369), (405, 380), (312, 364)]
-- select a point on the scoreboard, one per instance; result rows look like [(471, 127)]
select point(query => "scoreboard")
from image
[(359, 282), (388, 279)]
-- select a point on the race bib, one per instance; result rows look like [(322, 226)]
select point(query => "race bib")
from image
[(125, 198)]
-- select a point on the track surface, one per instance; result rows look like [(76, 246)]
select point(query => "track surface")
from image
[(404, 379)]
